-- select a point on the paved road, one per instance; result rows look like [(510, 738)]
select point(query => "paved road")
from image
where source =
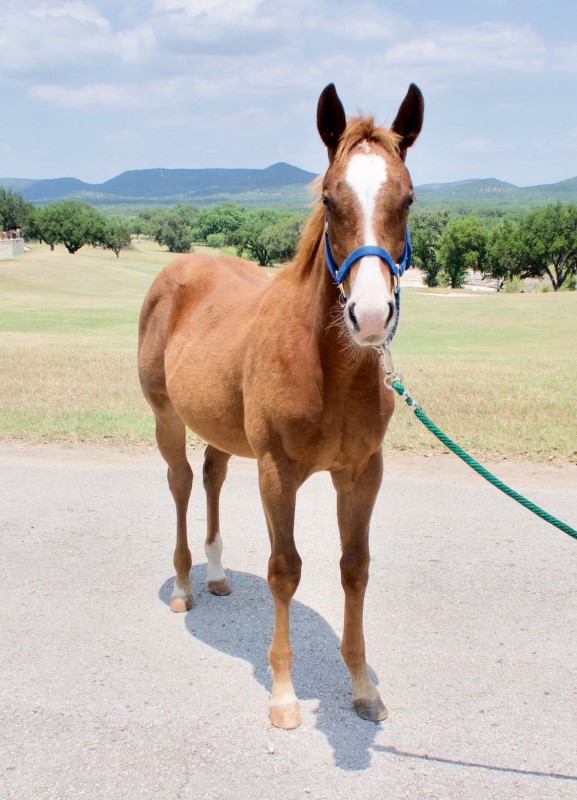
[(471, 628)]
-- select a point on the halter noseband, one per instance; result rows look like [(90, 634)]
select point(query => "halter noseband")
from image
[(338, 274)]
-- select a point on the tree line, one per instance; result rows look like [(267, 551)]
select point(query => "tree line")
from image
[(541, 243), (265, 235), (69, 222)]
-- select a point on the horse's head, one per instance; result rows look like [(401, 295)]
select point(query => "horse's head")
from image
[(367, 192)]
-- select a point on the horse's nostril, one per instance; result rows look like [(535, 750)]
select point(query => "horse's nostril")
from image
[(391, 313), (352, 317)]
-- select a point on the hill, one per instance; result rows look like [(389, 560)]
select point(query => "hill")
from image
[(16, 184), (492, 192), (280, 185)]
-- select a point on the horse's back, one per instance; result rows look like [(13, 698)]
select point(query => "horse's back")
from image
[(187, 285), (199, 274)]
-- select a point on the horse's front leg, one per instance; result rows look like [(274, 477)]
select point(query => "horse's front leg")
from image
[(355, 500), (278, 487)]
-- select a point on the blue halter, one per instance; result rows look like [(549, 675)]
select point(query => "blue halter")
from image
[(338, 274)]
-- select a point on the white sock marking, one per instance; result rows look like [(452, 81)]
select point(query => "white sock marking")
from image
[(214, 570)]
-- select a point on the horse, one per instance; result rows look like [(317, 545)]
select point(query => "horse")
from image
[(287, 371)]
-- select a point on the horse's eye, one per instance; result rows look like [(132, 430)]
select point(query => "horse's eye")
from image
[(410, 202), (325, 201)]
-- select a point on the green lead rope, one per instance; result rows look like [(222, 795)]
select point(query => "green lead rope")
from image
[(416, 408)]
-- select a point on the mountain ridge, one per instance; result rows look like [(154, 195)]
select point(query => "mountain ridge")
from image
[(280, 184)]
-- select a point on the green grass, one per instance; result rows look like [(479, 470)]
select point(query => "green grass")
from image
[(496, 372)]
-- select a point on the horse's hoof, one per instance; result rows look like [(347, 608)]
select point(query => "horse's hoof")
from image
[(180, 604), (373, 710), (286, 717), (220, 588)]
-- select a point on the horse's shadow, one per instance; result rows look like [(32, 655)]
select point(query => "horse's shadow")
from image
[(241, 625)]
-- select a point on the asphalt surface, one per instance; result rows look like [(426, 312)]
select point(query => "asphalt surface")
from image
[(471, 627)]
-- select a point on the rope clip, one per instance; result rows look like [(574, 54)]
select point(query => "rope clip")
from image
[(391, 374)]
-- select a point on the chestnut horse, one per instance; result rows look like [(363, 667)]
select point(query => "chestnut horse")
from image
[(287, 371)]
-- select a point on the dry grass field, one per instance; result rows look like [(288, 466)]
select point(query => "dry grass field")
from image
[(497, 372)]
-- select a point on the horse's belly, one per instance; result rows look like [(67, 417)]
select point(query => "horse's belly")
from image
[(204, 387)]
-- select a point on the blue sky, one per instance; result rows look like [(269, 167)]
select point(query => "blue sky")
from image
[(90, 89)]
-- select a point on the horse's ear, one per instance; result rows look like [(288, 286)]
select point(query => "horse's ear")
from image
[(409, 119), (331, 120)]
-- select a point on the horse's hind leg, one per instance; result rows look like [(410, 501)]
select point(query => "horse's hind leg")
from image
[(171, 439), (213, 475)]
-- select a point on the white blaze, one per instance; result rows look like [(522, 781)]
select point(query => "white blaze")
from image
[(366, 175)]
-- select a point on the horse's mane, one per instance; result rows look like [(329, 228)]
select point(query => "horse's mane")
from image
[(358, 129)]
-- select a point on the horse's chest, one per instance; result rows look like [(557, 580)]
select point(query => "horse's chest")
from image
[(322, 413), (353, 427), (343, 431)]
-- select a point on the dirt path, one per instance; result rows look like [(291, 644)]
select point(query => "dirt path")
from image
[(471, 623)]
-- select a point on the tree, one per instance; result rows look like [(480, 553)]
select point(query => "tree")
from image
[(280, 238), (504, 249), (426, 230), (223, 220), (542, 242), (137, 225), (68, 222), (155, 222), (463, 247), (15, 211), (172, 228), (253, 237), (115, 236), (42, 227), (176, 235), (549, 243)]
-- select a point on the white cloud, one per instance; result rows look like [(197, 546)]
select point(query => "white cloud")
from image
[(205, 70), (74, 10), (135, 45), (363, 22), (478, 144), (100, 96), (97, 96), (221, 9), (490, 47), (56, 34)]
